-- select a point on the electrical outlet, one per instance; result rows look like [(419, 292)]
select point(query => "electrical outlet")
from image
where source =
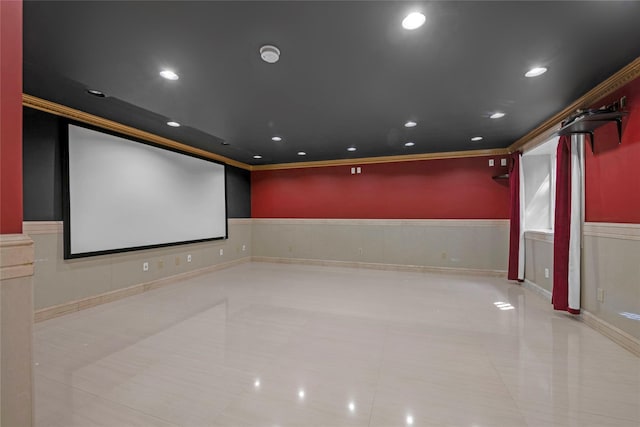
[(600, 293), (160, 265), (358, 169), (359, 251), (353, 171), (290, 248), (189, 258), (221, 251), (244, 248), (443, 255), (546, 273), (491, 162), (177, 260), (145, 266)]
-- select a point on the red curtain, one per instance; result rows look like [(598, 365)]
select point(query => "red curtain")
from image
[(562, 227), (514, 215)]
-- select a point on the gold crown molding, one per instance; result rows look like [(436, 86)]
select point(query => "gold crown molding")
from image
[(80, 116), (384, 159), (607, 87), (83, 117)]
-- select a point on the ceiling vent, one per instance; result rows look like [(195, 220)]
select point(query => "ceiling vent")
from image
[(270, 54)]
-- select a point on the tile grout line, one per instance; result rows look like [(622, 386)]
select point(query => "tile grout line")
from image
[(375, 393)]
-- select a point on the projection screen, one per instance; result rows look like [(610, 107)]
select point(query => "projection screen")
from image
[(124, 195)]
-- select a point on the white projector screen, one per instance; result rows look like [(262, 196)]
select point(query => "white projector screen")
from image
[(124, 195)]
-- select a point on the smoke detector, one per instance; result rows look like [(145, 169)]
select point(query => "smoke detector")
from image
[(269, 53)]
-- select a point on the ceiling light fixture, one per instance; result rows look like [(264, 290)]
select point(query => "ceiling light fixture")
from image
[(535, 72), (97, 93), (410, 124), (496, 115), (269, 54), (351, 149), (169, 75), (173, 124), (276, 138), (257, 156), (413, 20), (301, 153), (476, 138), (409, 144)]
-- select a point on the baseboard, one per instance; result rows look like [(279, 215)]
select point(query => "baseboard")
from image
[(537, 289), (82, 304), (380, 266), (613, 333), (616, 335)]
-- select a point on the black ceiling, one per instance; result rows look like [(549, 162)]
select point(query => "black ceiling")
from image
[(349, 74)]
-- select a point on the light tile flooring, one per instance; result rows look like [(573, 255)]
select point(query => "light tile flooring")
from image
[(281, 345)]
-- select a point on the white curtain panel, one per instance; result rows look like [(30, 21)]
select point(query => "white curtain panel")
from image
[(521, 245), (577, 218)]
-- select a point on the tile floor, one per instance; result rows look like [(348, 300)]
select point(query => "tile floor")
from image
[(287, 345)]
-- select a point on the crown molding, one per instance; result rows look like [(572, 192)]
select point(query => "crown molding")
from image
[(384, 159), (545, 130), (83, 117), (80, 116)]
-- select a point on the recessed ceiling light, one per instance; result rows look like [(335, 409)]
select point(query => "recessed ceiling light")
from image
[(535, 72), (476, 138), (409, 420), (301, 153), (270, 54), (257, 156), (413, 20), (169, 75), (276, 138), (97, 93), (409, 144), (351, 149), (410, 124), (496, 115), (173, 124)]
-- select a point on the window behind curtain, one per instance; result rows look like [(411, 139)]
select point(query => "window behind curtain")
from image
[(539, 168)]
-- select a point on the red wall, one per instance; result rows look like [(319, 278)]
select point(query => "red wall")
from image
[(10, 117), (444, 189), (612, 178)]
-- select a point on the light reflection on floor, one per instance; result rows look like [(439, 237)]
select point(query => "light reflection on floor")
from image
[(265, 345)]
